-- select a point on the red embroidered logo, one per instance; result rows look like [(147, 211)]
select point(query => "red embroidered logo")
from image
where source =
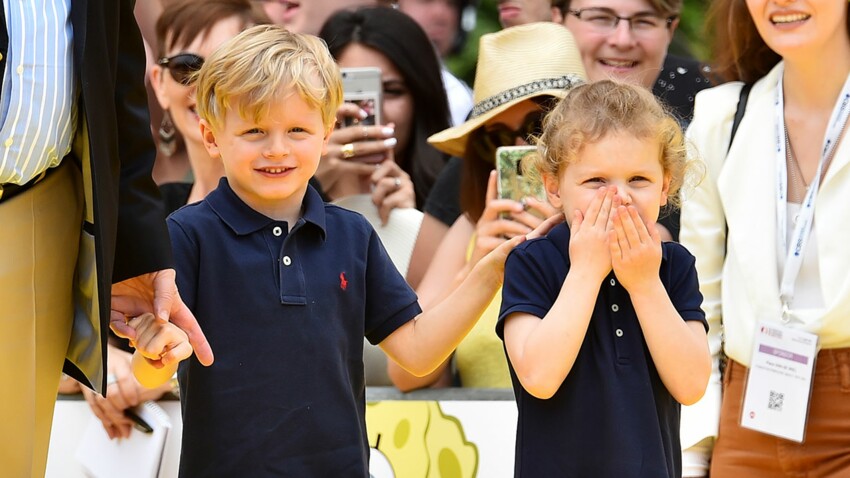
[(343, 284)]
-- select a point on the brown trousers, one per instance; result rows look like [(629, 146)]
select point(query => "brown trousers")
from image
[(741, 452), (39, 237)]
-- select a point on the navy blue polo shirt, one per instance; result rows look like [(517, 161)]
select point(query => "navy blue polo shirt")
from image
[(285, 314), (612, 416)]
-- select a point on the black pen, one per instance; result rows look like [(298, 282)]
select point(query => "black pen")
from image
[(139, 423)]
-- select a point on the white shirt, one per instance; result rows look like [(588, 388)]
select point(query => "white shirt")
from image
[(37, 100), (460, 97)]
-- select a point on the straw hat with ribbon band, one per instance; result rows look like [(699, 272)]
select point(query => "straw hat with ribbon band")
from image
[(516, 64)]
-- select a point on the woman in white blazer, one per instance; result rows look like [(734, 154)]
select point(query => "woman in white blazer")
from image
[(738, 222)]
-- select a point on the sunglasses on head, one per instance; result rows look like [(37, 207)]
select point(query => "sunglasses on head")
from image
[(488, 138), (182, 66)]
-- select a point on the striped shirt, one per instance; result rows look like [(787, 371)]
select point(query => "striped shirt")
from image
[(37, 100)]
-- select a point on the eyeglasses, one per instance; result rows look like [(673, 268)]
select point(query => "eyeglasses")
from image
[(605, 21), (486, 140), (182, 66)]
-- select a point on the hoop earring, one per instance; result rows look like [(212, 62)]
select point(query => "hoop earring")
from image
[(167, 135)]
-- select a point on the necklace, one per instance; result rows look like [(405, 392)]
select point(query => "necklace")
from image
[(797, 186)]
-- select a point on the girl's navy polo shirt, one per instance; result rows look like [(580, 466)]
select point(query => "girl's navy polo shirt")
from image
[(285, 314), (612, 416)]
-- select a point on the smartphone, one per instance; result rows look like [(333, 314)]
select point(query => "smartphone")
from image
[(363, 87), (512, 183)]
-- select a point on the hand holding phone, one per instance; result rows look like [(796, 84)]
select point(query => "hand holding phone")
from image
[(512, 182)]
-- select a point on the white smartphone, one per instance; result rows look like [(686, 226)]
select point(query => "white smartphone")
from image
[(363, 87)]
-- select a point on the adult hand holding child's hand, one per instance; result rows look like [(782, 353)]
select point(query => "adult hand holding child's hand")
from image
[(160, 346)]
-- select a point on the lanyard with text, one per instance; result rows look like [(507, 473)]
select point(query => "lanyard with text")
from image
[(779, 379), (803, 226)]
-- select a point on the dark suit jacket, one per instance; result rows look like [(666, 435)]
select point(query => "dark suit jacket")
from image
[(124, 233)]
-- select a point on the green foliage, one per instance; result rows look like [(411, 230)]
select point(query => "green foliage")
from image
[(689, 40)]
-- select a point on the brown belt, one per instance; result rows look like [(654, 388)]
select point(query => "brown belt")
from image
[(8, 191)]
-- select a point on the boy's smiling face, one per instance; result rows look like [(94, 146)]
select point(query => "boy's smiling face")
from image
[(618, 159), (269, 162)]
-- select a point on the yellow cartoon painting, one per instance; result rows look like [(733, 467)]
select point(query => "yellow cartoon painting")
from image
[(416, 439)]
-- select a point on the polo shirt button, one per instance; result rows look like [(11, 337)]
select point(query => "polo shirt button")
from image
[(613, 282), (619, 332), (277, 231), (615, 307), (286, 260)]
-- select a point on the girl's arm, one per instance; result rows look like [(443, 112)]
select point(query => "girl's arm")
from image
[(678, 348), (543, 352)]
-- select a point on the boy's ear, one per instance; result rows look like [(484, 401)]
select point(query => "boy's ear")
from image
[(208, 135), (553, 192), (665, 189), (326, 139)]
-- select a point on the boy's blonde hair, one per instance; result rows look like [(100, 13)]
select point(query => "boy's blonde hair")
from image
[(592, 111), (255, 67)]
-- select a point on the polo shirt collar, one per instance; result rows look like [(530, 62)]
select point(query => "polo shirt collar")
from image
[(560, 235), (243, 220)]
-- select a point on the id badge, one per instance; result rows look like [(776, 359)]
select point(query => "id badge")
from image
[(779, 382)]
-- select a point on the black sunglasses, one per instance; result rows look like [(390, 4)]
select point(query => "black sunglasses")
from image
[(182, 66), (485, 140)]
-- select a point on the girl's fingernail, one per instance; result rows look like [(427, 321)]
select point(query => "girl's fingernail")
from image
[(390, 142), (388, 130), (363, 114)]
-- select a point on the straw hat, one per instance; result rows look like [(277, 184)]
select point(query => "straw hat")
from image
[(516, 64)]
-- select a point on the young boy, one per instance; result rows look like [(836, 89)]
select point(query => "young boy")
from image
[(285, 286)]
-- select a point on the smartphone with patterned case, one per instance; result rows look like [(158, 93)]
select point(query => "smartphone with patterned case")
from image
[(513, 182)]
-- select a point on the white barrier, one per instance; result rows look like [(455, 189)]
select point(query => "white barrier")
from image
[(459, 433)]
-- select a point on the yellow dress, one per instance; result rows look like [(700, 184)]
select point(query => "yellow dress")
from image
[(480, 358)]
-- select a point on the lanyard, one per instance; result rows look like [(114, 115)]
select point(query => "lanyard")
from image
[(803, 226)]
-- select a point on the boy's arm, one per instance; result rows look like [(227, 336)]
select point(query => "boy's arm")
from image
[(448, 262), (425, 342), (678, 348), (160, 346), (422, 344)]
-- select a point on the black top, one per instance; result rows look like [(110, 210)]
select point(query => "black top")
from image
[(286, 314), (678, 84), (612, 416), (444, 200), (174, 195)]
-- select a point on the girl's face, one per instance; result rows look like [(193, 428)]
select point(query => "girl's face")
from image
[(633, 54), (179, 99), (799, 28), (619, 159), (398, 104)]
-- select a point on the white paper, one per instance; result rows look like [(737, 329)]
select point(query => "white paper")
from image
[(138, 456)]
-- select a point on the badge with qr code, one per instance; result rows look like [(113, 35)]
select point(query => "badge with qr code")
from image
[(779, 381)]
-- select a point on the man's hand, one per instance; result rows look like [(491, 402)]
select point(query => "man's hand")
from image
[(156, 293)]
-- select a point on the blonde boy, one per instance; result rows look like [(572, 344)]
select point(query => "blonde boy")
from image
[(286, 286)]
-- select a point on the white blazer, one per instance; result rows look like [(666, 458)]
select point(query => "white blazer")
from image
[(740, 190)]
